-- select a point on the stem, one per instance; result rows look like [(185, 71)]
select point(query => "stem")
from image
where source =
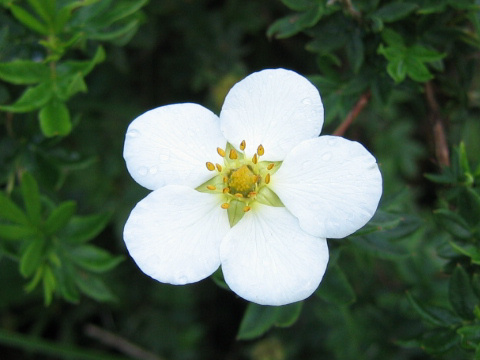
[(438, 128), (352, 115), (119, 343)]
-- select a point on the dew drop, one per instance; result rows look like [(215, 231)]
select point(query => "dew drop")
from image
[(327, 156), (133, 133), (182, 280), (143, 171), (307, 101), (153, 170)]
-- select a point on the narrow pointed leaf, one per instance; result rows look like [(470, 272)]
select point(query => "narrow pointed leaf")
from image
[(59, 217), (31, 198), (10, 211), (22, 72), (32, 99)]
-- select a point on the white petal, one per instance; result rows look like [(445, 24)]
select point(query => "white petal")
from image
[(174, 234), (269, 260), (332, 185), (276, 108), (171, 144)]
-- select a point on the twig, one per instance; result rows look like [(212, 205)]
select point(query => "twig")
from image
[(440, 140), (119, 343), (352, 115)]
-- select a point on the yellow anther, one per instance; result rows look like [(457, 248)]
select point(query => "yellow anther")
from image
[(242, 145), (246, 208), (255, 158), (210, 166), (219, 167), (260, 150), (225, 179), (221, 152), (225, 205), (211, 187), (226, 190), (233, 154), (238, 195), (270, 166), (267, 178), (252, 194)]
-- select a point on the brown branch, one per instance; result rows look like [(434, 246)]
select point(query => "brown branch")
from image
[(119, 343), (352, 115), (438, 128)]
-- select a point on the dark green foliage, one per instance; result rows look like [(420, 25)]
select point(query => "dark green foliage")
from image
[(73, 74)]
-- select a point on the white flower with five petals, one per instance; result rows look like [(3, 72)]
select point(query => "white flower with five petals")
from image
[(254, 190)]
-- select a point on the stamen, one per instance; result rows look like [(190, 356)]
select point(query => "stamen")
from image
[(242, 145), (260, 150), (226, 190), (255, 158), (252, 194), (221, 152), (270, 166), (233, 154), (210, 166), (211, 187), (246, 208), (267, 178), (219, 167), (238, 195), (225, 179), (225, 205)]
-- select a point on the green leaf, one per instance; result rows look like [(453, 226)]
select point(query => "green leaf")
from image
[(335, 287), (218, 278), (92, 286), (21, 72), (461, 293), (33, 98), (55, 119), (397, 70), (439, 340), (16, 232), (94, 259), (32, 258), (433, 315), (44, 9), (84, 67), (380, 246), (235, 212), (258, 319), (453, 223), (75, 84), (81, 229), (28, 20), (416, 70), (472, 251), (423, 54), (299, 5), (59, 217), (395, 11), (293, 24), (118, 32), (31, 198), (66, 282), (10, 211), (470, 336), (120, 11), (49, 285)]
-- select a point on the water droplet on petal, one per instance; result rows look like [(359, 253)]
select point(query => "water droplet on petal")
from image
[(182, 280), (327, 156), (143, 171), (133, 133), (153, 170), (306, 101)]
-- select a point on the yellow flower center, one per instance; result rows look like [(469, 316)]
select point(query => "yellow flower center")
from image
[(242, 181)]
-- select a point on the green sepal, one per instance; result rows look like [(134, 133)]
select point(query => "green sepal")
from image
[(216, 181), (228, 148), (266, 196), (262, 166), (235, 212)]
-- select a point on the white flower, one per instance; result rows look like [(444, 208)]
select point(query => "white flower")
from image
[(264, 143)]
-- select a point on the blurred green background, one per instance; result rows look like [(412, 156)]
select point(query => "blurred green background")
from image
[(404, 72)]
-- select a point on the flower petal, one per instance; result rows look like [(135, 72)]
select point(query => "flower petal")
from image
[(332, 185), (174, 234), (171, 144), (269, 260), (276, 108)]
